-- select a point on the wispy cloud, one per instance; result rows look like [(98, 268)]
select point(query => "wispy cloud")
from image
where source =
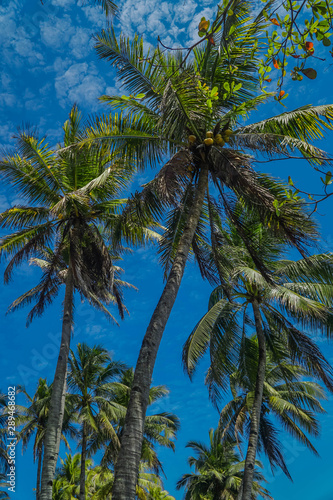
[(80, 83), (167, 20)]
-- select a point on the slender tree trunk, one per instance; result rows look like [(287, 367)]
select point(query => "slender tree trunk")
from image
[(127, 466), (83, 463), (256, 409), (39, 469), (57, 404)]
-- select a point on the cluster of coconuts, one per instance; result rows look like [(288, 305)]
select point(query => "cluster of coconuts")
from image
[(218, 139)]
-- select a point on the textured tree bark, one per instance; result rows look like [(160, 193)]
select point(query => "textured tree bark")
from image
[(256, 409), (39, 469), (57, 404), (83, 463), (127, 466)]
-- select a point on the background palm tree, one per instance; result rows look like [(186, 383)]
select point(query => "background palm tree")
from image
[(160, 428), (34, 421), (290, 398), (66, 485), (218, 472), (296, 300), (91, 375), (171, 101), (99, 482), (71, 194)]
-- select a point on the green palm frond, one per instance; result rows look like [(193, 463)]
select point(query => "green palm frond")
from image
[(220, 324), (293, 130)]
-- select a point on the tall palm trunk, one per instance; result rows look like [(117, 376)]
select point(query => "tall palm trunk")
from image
[(57, 404), (39, 470), (83, 463), (256, 409), (127, 466)]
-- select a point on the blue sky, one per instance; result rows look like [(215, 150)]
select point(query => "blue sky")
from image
[(48, 63)]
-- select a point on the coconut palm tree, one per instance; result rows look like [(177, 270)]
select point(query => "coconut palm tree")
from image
[(160, 428), (170, 107), (90, 376), (71, 195), (218, 472), (290, 398), (298, 299), (99, 482), (66, 485), (156, 493), (34, 420)]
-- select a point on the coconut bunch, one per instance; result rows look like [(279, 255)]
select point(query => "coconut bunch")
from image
[(218, 139)]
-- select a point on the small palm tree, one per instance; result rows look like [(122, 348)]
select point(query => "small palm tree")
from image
[(66, 485), (297, 299), (73, 199), (160, 429), (34, 420), (218, 472), (91, 375), (99, 482), (156, 493), (290, 398)]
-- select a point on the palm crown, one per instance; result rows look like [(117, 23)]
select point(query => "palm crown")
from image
[(289, 399), (296, 301), (218, 472), (72, 196)]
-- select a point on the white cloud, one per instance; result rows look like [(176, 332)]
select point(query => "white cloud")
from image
[(169, 21), (95, 16), (81, 43), (8, 99), (56, 32), (80, 83), (15, 41), (64, 4), (96, 331)]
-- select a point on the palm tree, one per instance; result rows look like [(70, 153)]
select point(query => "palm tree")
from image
[(99, 482), (289, 398), (72, 195), (34, 420), (66, 485), (156, 493), (91, 375), (218, 472), (173, 104), (160, 429), (298, 298)]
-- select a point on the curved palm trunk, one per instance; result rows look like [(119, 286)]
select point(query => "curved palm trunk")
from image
[(57, 404), (39, 469), (127, 466), (256, 409), (83, 464)]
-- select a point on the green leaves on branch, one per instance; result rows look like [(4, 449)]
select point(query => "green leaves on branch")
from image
[(289, 36), (328, 179)]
